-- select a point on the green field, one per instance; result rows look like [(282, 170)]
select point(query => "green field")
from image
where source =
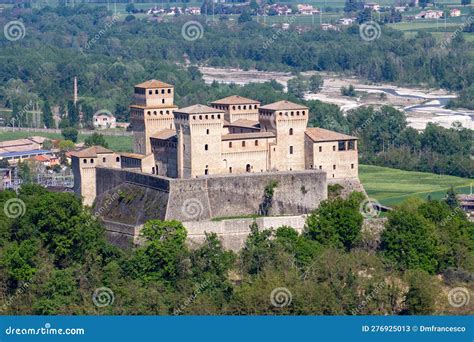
[(116, 143), (392, 186)]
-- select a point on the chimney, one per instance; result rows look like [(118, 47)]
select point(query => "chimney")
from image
[(75, 90)]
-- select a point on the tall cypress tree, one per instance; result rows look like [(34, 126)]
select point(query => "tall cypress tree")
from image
[(47, 115)]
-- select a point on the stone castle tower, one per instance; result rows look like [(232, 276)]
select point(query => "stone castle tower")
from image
[(288, 121), (151, 112), (199, 130)]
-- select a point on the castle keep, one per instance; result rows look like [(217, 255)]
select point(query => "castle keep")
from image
[(212, 161), (233, 135)]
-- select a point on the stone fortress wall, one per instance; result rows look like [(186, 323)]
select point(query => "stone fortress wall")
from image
[(127, 199)]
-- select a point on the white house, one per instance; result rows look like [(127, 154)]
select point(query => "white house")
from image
[(103, 120)]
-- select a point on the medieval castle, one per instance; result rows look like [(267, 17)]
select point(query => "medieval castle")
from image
[(219, 156)]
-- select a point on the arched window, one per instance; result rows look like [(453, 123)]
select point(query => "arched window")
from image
[(149, 113), (117, 159), (169, 91), (230, 144), (162, 91), (206, 147), (156, 91), (85, 161), (92, 161), (243, 143), (150, 92), (207, 131), (256, 142), (154, 112), (291, 131), (162, 100)]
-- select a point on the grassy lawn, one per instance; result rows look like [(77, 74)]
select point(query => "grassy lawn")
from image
[(116, 143), (392, 186)]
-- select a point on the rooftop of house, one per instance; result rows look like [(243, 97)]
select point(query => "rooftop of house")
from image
[(242, 123), (283, 105), (17, 154), (252, 135), (91, 152), (133, 155), (320, 134), (198, 109), (164, 134), (235, 99), (153, 84)]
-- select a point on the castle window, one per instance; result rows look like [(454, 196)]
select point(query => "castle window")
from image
[(162, 91), (207, 117), (206, 171), (156, 91), (207, 131), (150, 92), (149, 113), (230, 169), (85, 161), (243, 143), (292, 113), (334, 167), (92, 161), (233, 107), (154, 112), (161, 112), (303, 112), (256, 142), (162, 100), (291, 131), (200, 117), (117, 159), (320, 167), (194, 117), (103, 160), (334, 148), (169, 91), (245, 107), (291, 149), (320, 149), (297, 112), (351, 145), (238, 107), (255, 107), (352, 166), (167, 112), (206, 147), (230, 144), (341, 145), (212, 116)]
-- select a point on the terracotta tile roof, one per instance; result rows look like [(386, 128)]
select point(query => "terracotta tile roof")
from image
[(253, 135), (152, 107), (41, 158), (153, 84), (235, 99), (283, 105), (198, 109), (243, 123), (133, 155), (91, 152), (321, 134), (164, 134)]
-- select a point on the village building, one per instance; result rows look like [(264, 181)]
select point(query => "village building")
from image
[(372, 6), (455, 12), (102, 120)]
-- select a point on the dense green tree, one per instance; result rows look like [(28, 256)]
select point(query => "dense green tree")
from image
[(161, 257), (409, 240), (422, 294), (70, 133), (96, 139), (336, 223)]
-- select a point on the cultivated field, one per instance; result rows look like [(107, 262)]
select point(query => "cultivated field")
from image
[(392, 186)]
